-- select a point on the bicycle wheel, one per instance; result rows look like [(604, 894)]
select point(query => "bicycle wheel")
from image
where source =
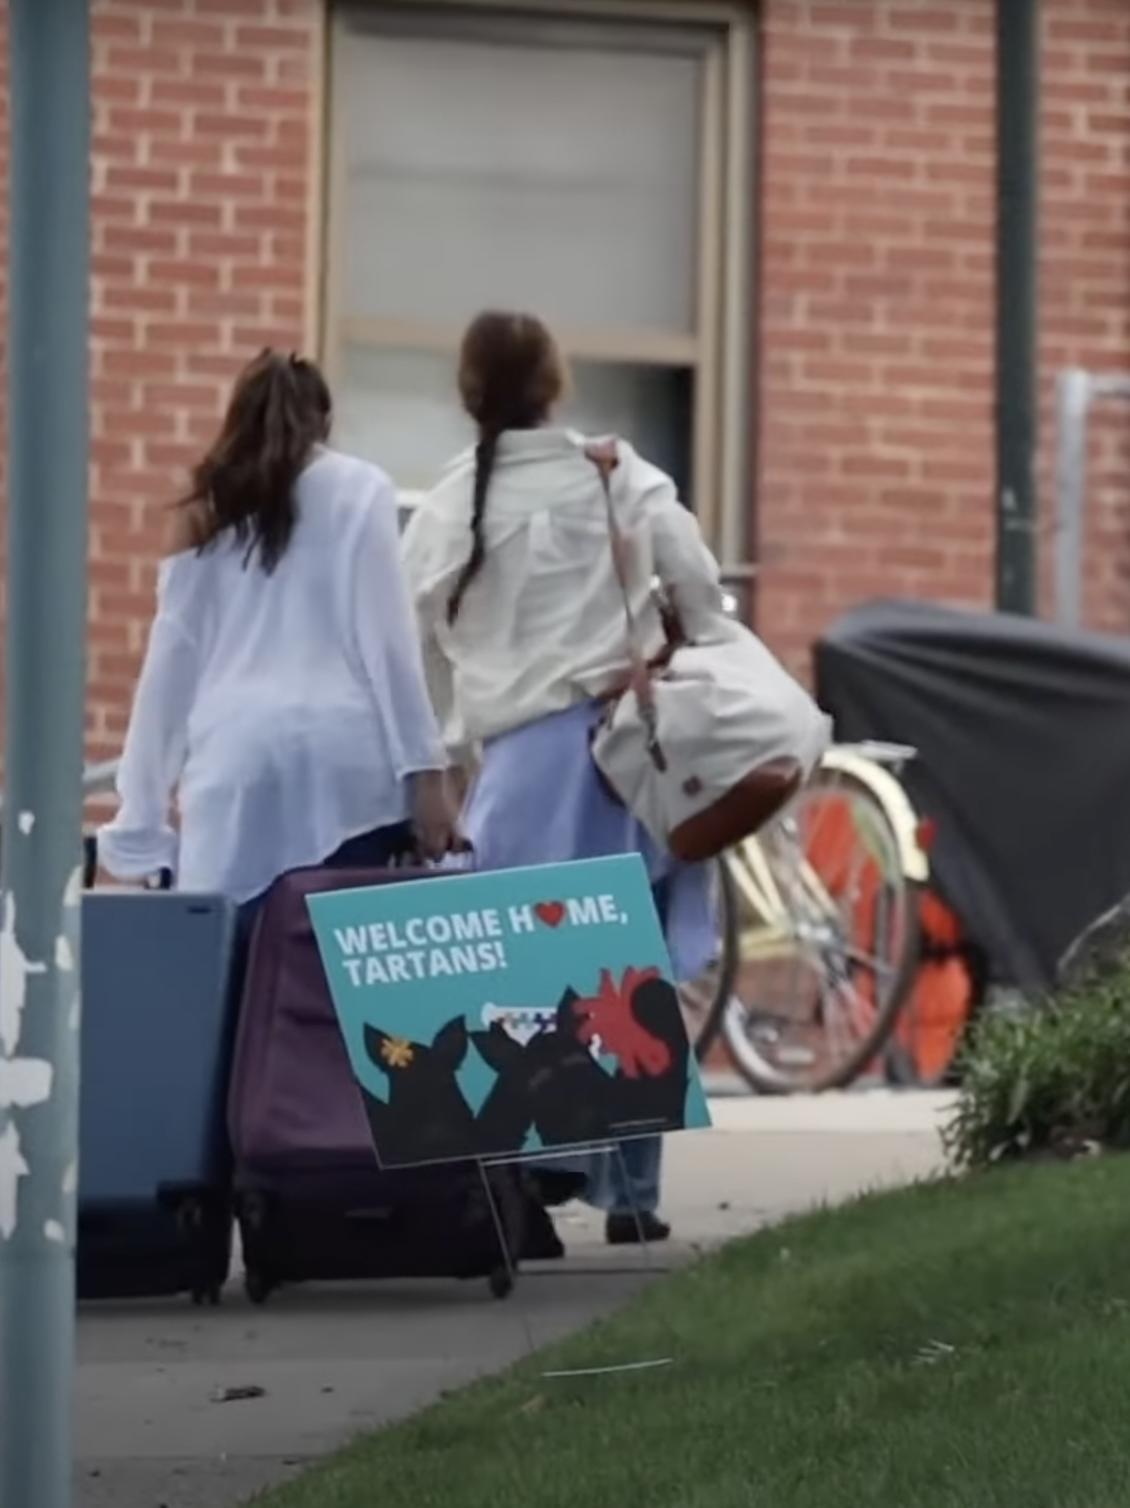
[(827, 934), (704, 999)]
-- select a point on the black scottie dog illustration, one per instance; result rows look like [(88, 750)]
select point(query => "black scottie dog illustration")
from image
[(551, 1083), (639, 1022), (660, 1097), (426, 1118)]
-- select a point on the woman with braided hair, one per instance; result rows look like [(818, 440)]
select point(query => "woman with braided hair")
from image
[(282, 701), (524, 628)]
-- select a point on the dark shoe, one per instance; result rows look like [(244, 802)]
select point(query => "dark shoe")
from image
[(635, 1230), (551, 1187), (542, 1243)]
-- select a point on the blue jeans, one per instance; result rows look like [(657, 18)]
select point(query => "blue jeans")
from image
[(625, 1180)]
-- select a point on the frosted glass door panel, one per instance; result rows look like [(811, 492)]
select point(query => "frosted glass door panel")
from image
[(556, 179), (401, 410), (649, 406)]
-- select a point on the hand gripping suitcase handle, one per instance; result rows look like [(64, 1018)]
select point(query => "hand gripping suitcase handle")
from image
[(460, 858), (162, 880)]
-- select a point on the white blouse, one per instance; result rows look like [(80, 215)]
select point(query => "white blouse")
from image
[(543, 626), (285, 710)]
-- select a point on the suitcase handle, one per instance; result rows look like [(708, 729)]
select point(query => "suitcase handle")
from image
[(89, 860), (371, 1215), (162, 880), (411, 857)]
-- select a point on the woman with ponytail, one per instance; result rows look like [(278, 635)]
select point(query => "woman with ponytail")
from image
[(524, 629), (282, 701)]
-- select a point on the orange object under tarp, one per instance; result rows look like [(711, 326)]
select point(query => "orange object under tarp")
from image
[(941, 927), (931, 1023), (934, 1016)]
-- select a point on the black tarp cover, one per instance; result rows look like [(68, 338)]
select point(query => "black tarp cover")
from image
[(1023, 733)]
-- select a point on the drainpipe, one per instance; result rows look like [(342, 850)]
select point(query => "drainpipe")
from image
[(1017, 332)]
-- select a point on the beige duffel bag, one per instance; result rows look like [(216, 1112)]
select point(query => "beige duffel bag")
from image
[(710, 741)]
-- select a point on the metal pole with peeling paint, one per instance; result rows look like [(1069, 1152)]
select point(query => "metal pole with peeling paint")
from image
[(40, 898)]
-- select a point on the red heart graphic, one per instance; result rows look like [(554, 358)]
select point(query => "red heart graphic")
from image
[(552, 913)]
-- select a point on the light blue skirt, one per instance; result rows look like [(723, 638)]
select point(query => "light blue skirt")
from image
[(538, 800)]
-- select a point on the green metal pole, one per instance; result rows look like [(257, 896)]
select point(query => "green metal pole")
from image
[(49, 258), (1017, 398)]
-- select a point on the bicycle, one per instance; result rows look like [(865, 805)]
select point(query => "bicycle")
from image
[(818, 929)]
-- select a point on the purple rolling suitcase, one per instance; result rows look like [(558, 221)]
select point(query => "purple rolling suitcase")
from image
[(311, 1199)]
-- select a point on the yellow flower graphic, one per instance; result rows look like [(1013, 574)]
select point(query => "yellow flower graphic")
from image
[(397, 1053)]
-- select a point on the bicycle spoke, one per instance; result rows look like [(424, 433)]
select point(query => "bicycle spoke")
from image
[(819, 974)]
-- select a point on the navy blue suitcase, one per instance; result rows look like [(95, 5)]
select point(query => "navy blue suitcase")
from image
[(155, 1167)]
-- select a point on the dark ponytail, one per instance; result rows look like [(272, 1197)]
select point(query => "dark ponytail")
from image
[(279, 410), (510, 376)]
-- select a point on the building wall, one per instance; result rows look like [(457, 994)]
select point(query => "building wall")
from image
[(1085, 270), (874, 469), (202, 162), (876, 466), (203, 148)]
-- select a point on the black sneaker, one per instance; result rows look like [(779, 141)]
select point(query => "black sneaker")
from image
[(551, 1187), (542, 1243), (635, 1230)]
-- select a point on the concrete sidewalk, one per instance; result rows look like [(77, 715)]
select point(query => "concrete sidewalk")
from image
[(335, 1361)]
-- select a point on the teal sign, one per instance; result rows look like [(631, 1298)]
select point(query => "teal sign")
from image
[(498, 1014)]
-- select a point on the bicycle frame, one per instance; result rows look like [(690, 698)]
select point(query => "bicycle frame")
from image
[(872, 765), (774, 934), (782, 917)]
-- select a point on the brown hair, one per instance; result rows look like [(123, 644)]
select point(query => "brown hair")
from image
[(510, 376), (279, 410)]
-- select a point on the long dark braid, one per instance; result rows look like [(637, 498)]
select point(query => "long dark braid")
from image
[(485, 452), (510, 376)]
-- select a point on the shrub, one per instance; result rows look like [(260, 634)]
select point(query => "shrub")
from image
[(1053, 1080)]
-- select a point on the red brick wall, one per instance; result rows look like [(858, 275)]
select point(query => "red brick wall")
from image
[(875, 462), (1085, 270), (877, 294), (201, 175), (202, 152)]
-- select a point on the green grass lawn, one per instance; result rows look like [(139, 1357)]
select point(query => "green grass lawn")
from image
[(962, 1345)]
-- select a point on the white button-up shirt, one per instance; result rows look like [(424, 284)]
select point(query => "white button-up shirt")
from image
[(544, 625), (285, 710)]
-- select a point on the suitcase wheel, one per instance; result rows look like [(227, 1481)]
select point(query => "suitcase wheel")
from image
[(190, 1215), (257, 1285), (501, 1282)]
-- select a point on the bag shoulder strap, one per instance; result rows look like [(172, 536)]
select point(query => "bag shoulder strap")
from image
[(605, 456)]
